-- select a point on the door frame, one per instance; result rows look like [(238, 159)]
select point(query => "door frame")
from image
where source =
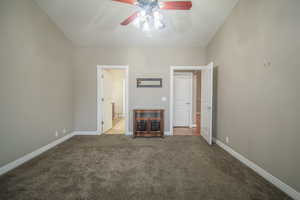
[(100, 69), (172, 70), (190, 74)]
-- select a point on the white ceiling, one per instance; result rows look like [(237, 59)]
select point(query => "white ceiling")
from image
[(96, 23)]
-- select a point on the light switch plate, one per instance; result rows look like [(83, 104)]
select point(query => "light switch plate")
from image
[(227, 139)]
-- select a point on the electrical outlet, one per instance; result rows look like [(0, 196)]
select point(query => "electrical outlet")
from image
[(56, 133), (164, 98), (227, 139), (64, 131), (267, 63)]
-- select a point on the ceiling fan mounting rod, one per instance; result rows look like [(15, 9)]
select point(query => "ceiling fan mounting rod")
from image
[(148, 5)]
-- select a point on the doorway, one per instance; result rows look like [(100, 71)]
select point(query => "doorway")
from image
[(191, 101), (183, 105), (185, 102), (112, 99)]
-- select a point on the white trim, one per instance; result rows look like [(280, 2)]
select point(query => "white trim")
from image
[(99, 95), (188, 68), (269, 177), (123, 97), (129, 133), (166, 133), (12, 165), (193, 126), (86, 133), (171, 99), (171, 108)]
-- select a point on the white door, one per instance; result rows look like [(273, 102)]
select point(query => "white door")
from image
[(207, 102), (124, 97), (182, 99), (107, 100)]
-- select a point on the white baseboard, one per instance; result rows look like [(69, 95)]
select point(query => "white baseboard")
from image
[(129, 134), (193, 126), (94, 133), (27, 157), (269, 177), (86, 133), (167, 133)]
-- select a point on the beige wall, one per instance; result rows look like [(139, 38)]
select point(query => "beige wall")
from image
[(35, 79), (258, 105), (140, 61)]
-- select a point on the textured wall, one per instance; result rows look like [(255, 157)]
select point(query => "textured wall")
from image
[(258, 90), (140, 61), (35, 80)]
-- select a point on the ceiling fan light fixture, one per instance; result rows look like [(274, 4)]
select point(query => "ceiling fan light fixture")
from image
[(158, 25), (143, 13), (137, 21), (157, 15), (158, 20), (148, 17), (146, 27), (148, 21)]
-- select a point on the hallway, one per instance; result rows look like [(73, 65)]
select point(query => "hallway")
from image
[(118, 127)]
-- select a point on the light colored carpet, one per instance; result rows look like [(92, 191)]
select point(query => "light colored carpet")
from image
[(116, 167)]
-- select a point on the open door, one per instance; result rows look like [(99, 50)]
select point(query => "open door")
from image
[(207, 102), (182, 99), (107, 101)]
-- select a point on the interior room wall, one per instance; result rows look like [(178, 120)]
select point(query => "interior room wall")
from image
[(257, 57), (35, 80), (141, 61)]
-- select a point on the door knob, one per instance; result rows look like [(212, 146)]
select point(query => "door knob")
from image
[(188, 103)]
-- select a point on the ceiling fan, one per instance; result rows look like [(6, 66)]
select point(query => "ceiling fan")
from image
[(149, 16)]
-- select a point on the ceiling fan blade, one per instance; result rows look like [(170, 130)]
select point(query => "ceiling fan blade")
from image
[(130, 19), (132, 2), (176, 5)]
